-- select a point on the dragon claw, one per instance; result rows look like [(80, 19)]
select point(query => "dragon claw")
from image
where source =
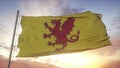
[(78, 32), (58, 49), (49, 37), (49, 43), (45, 35), (46, 25)]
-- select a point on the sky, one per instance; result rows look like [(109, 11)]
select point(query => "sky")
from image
[(105, 57)]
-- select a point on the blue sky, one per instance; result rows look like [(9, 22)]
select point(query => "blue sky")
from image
[(108, 8)]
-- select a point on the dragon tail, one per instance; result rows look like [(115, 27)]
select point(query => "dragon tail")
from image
[(74, 38)]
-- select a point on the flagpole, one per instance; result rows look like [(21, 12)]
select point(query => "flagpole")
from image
[(13, 39)]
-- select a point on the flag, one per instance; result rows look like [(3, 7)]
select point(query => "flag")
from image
[(48, 35)]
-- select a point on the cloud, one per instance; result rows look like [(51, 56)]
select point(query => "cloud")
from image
[(48, 7), (71, 10), (24, 64), (2, 28), (112, 64), (7, 20), (2, 44), (116, 22)]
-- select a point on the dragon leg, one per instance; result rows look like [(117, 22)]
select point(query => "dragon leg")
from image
[(59, 49), (51, 44), (47, 35)]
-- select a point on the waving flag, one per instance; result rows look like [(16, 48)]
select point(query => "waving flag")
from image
[(47, 35)]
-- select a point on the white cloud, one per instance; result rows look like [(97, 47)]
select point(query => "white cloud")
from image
[(48, 7)]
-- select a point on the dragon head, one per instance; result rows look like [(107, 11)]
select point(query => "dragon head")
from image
[(56, 21)]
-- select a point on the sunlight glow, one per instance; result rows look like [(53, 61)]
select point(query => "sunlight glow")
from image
[(74, 60), (4, 52)]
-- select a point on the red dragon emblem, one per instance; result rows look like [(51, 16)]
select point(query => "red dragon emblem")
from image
[(61, 35)]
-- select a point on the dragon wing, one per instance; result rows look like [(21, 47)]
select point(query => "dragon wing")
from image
[(67, 26)]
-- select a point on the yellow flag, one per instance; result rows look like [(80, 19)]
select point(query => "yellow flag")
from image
[(47, 35)]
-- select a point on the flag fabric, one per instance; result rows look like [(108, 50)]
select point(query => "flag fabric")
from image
[(48, 35)]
